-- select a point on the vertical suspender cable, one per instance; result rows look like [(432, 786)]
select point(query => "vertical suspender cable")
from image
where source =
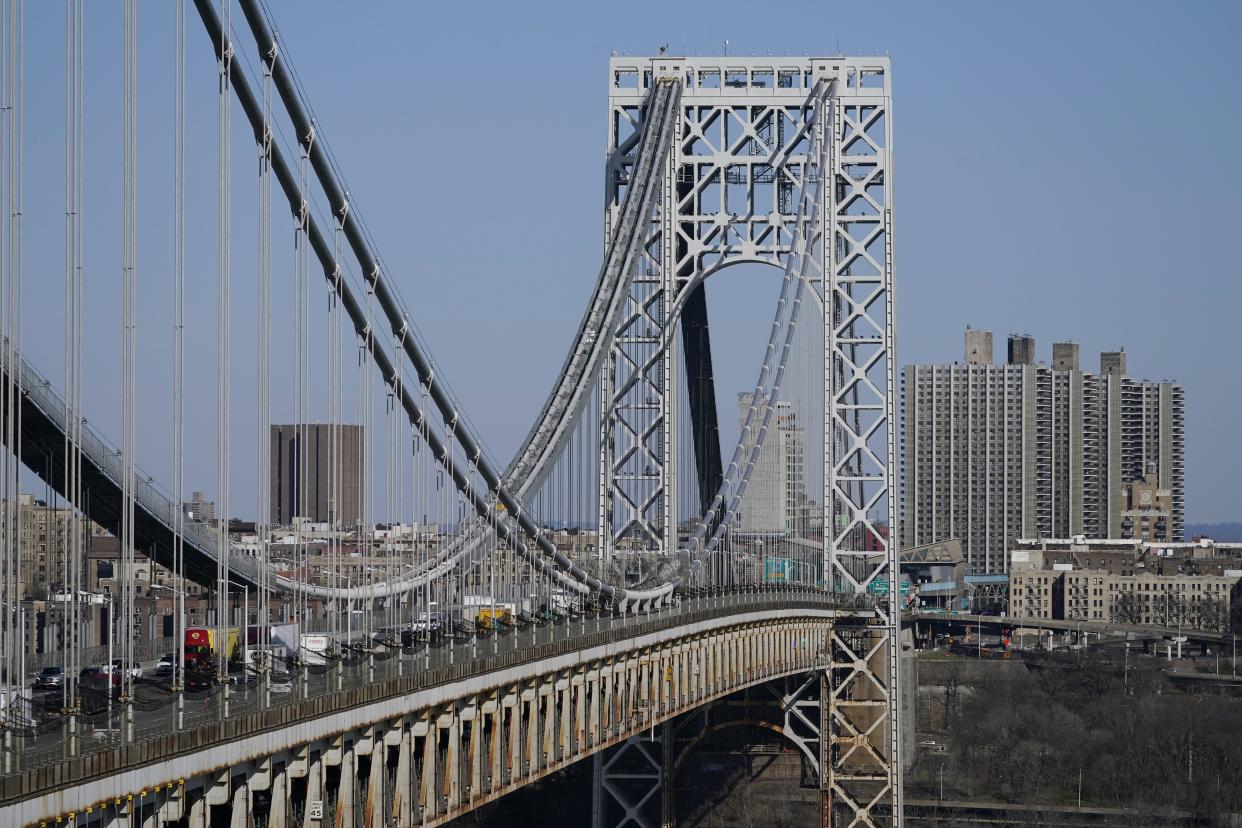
[(366, 414), (263, 441), (129, 331), (299, 502), (334, 404), (10, 597), (15, 332), (178, 412), (8, 552), (79, 242), (7, 547), (222, 364), (73, 356)]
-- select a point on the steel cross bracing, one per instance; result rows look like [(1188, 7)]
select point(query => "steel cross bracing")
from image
[(863, 755), (732, 193), (745, 130)]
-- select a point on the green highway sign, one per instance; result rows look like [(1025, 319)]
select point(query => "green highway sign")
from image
[(880, 587)]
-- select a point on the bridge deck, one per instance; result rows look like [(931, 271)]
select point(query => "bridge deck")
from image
[(415, 679)]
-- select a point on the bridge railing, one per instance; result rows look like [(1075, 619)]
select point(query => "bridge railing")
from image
[(151, 497)]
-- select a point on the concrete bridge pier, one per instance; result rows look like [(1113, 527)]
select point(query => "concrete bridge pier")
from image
[(278, 816), (312, 770)]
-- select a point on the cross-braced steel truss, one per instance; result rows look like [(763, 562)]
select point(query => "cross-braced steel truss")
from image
[(745, 133), (863, 778), (630, 782)]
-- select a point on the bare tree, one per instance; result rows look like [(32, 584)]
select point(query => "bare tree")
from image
[(1207, 613), (1127, 609), (952, 683)]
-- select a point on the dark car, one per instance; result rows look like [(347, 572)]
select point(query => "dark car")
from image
[(98, 673), (98, 680), (50, 678)]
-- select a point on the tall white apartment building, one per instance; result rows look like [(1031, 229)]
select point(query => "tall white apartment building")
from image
[(775, 497), (993, 452)]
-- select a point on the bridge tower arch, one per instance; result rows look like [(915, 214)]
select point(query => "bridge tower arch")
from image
[(730, 192)]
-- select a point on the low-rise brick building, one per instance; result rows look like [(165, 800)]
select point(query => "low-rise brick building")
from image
[(1126, 582)]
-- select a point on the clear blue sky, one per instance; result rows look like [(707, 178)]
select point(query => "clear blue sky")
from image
[(1064, 169)]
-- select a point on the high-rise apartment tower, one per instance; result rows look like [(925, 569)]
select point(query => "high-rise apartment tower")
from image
[(301, 468), (992, 453), (776, 496)]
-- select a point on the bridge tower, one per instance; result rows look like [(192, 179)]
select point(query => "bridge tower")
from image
[(730, 194)]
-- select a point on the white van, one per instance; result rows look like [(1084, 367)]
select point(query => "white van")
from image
[(313, 648)]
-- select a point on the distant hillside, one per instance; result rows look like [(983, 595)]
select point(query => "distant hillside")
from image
[(1226, 532)]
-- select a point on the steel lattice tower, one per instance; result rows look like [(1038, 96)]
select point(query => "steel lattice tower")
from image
[(729, 195)]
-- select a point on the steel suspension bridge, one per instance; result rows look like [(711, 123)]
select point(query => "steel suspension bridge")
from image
[(587, 599)]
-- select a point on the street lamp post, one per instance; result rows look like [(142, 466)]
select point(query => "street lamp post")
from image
[(245, 621), (110, 671), (244, 631), (107, 596), (349, 629), (179, 652)]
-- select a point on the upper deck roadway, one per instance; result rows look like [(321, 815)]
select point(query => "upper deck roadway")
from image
[(679, 658)]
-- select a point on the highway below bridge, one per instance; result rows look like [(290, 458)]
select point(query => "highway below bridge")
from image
[(924, 624)]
